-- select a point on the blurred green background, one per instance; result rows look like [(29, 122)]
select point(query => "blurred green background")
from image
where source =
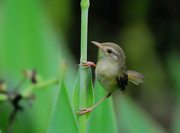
[(33, 33)]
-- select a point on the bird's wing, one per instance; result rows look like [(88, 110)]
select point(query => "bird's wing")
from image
[(122, 80)]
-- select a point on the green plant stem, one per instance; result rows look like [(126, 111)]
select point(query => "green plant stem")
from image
[(83, 72), (29, 90)]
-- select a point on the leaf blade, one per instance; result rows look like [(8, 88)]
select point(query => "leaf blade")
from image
[(89, 92), (103, 116), (62, 117), (131, 118)]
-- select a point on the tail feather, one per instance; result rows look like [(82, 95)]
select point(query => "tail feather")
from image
[(135, 77)]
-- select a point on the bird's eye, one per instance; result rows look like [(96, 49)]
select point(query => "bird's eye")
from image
[(109, 51)]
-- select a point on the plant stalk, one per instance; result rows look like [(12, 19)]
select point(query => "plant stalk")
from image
[(29, 90), (83, 72)]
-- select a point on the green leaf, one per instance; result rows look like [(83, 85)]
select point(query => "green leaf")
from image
[(173, 68), (27, 41), (89, 92), (25, 44), (131, 118), (176, 119), (76, 93), (102, 119), (62, 119)]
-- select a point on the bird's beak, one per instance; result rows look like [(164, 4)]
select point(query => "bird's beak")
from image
[(98, 44)]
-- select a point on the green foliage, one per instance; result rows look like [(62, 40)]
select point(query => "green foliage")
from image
[(103, 116), (173, 68), (131, 118), (62, 119), (83, 73), (28, 41), (3, 97), (89, 93), (176, 119)]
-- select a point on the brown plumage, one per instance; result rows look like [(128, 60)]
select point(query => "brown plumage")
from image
[(111, 70), (111, 67)]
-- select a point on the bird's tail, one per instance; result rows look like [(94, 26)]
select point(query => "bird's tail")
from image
[(135, 77)]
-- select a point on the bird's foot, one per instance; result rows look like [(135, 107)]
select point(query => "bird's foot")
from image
[(87, 64), (84, 110)]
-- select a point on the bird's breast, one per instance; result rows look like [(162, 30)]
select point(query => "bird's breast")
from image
[(106, 74)]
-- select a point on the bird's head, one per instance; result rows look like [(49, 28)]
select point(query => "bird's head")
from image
[(111, 51)]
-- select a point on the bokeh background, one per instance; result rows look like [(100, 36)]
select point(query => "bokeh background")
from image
[(34, 32)]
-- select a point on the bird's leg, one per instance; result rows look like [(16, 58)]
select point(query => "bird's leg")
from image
[(87, 64), (86, 110)]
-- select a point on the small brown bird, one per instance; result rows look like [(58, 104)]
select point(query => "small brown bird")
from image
[(111, 71)]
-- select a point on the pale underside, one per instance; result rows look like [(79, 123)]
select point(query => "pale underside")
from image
[(106, 74)]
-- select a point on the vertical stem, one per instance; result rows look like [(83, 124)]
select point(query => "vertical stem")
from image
[(83, 72)]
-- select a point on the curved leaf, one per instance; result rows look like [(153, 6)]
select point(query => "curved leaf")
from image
[(76, 93), (131, 118), (89, 92), (62, 119), (27, 41), (102, 119), (173, 67)]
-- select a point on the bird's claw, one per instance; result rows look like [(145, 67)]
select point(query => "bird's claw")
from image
[(84, 110), (87, 64)]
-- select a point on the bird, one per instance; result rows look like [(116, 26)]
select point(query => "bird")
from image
[(111, 71)]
